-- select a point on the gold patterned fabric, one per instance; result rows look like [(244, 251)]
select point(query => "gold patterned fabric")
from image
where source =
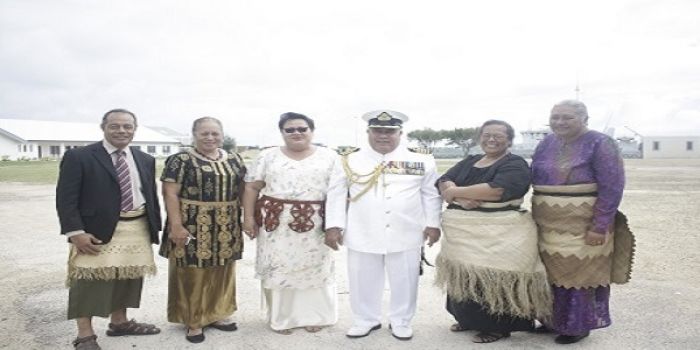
[(210, 208), (198, 297), (127, 256), (563, 215)]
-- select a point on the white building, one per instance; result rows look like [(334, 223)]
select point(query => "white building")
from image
[(37, 139), (184, 139), (671, 146)]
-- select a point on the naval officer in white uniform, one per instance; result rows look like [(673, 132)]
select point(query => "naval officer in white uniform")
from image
[(382, 205)]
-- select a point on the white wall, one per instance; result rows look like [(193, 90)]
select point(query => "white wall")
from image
[(16, 150), (62, 146), (160, 150), (671, 147), (8, 147)]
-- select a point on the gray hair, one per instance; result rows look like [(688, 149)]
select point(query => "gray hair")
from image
[(579, 108), (198, 121)]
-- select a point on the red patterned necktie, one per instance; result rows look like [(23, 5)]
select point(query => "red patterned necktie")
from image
[(124, 181)]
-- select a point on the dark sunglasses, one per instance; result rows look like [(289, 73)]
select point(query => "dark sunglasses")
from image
[(299, 129)]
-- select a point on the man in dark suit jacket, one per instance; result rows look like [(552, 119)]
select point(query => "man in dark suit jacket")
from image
[(108, 208)]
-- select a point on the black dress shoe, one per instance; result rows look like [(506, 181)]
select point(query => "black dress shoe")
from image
[(570, 339), (230, 327), (195, 338), (542, 329)]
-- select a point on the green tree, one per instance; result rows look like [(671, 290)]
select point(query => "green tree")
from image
[(426, 137), (229, 143), (462, 137)]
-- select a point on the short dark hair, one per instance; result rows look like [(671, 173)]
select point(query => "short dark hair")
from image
[(198, 121), (509, 129), (117, 110), (285, 117)]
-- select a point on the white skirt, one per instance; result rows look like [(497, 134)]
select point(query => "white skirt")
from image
[(292, 308)]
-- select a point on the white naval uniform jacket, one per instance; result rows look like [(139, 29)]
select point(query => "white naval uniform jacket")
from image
[(392, 215)]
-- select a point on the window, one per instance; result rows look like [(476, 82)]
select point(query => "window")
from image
[(138, 147), (689, 145), (55, 150), (655, 146), (24, 148), (166, 149), (31, 148), (151, 149)]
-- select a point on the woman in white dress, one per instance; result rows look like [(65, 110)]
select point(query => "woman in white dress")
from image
[(283, 208)]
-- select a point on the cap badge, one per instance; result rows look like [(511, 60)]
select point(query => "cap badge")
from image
[(384, 117)]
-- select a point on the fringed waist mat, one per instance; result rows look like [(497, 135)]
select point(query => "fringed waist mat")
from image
[(492, 259), (127, 256), (563, 215), (268, 210)]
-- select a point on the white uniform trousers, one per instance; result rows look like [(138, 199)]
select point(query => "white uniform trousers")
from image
[(366, 273)]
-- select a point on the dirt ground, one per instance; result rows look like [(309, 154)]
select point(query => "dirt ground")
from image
[(658, 309)]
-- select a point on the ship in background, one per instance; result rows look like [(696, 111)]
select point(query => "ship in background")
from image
[(630, 146)]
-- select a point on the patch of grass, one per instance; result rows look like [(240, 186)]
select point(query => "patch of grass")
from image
[(45, 172), (41, 172)]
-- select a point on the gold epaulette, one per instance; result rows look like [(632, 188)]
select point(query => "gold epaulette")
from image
[(367, 181), (420, 150), (345, 150)]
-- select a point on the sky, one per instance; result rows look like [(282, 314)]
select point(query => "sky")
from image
[(446, 64)]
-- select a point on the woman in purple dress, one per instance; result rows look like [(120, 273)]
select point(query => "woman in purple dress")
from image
[(578, 179)]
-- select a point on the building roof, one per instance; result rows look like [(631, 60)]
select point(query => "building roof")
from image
[(168, 131), (11, 135), (46, 130)]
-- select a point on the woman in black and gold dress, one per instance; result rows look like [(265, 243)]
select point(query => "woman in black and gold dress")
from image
[(202, 237)]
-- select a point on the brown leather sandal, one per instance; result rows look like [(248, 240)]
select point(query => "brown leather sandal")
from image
[(131, 328), (86, 343)]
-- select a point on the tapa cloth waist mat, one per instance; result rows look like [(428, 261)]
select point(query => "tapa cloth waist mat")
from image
[(301, 211), (563, 217), (127, 256), (491, 258)]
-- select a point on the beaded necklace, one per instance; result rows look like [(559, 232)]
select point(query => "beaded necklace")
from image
[(207, 157)]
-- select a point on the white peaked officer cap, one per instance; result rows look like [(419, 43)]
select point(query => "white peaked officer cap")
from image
[(385, 118)]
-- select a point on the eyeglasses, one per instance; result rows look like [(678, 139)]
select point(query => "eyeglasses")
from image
[(497, 137), (299, 129)]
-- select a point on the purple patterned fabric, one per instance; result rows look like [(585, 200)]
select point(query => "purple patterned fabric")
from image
[(577, 311), (591, 158)]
